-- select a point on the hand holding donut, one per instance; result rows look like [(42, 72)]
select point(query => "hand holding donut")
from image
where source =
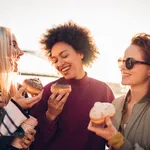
[(57, 100), (101, 113), (26, 103), (33, 87)]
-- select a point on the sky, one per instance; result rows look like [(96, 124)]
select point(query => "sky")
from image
[(112, 23)]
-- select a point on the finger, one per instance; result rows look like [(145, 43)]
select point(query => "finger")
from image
[(22, 89), (28, 137), (90, 127), (99, 131), (19, 92), (24, 146), (23, 142), (19, 86), (40, 94), (32, 132), (60, 96), (35, 99), (62, 102), (108, 122), (52, 97)]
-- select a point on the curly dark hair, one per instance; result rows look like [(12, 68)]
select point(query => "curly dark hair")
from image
[(143, 41), (76, 36)]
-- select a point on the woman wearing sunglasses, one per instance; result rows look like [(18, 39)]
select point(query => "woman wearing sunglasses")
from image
[(129, 128)]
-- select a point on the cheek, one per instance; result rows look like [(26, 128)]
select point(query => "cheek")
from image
[(136, 78), (56, 67), (11, 62)]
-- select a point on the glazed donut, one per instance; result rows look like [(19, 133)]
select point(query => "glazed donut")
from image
[(59, 87)]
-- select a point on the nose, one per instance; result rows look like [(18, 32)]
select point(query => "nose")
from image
[(121, 64), (21, 53), (60, 63)]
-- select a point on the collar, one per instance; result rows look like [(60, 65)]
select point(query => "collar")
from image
[(80, 82), (145, 98)]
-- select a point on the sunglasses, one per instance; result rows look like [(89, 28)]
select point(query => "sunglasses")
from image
[(130, 62)]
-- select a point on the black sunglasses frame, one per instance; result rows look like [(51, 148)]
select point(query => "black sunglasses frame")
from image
[(130, 62)]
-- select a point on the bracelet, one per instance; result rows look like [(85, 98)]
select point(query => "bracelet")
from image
[(116, 140)]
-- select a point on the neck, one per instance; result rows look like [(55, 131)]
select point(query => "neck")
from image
[(81, 74), (139, 91)]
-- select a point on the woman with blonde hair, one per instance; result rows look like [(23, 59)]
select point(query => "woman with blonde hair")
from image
[(12, 103), (129, 128)]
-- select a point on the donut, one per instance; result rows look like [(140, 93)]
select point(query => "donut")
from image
[(59, 87), (100, 111), (33, 86)]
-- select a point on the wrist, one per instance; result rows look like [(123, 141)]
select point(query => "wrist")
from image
[(50, 117), (116, 140)]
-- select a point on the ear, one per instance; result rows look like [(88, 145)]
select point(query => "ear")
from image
[(81, 55)]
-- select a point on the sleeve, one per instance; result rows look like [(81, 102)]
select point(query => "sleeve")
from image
[(120, 143), (13, 116), (45, 128), (5, 141), (109, 94), (128, 146)]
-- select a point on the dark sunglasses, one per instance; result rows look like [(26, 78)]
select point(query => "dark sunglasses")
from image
[(130, 62)]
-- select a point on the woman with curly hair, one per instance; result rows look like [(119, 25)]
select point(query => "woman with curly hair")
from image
[(129, 129), (63, 117)]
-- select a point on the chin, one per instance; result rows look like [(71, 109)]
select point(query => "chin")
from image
[(68, 77), (123, 82), (15, 70)]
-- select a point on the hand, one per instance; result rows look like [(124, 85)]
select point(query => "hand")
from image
[(56, 103), (107, 132), (27, 140), (26, 103), (2, 104)]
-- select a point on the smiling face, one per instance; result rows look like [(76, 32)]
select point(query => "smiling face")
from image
[(140, 73), (16, 53), (67, 61)]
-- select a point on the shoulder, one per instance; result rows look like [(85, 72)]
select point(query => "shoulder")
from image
[(100, 85), (97, 82), (119, 101), (101, 89)]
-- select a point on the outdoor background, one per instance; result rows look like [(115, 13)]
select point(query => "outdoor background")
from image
[(112, 23)]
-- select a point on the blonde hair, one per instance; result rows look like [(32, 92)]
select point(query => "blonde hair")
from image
[(6, 73)]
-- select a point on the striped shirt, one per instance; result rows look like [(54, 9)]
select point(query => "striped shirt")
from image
[(11, 117)]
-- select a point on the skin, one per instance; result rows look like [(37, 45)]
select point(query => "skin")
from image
[(27, 140), (68, 63), (132, 77), (25, 103), (139, 85), (17, 57)]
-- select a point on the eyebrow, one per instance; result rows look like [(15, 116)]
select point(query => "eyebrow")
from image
[(59, 54)]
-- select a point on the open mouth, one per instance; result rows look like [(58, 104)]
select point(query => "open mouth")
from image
[(15, 66), (65, 70), (125, 75)]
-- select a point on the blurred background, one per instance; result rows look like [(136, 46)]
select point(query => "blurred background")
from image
[(112, 24)]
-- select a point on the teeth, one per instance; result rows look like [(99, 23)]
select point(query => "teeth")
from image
[(64, 69), (125, 75)]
